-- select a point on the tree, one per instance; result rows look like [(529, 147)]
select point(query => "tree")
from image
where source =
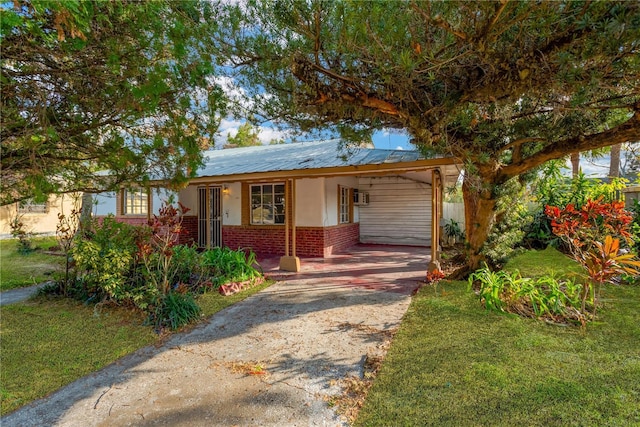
[(93, 86), (247, 136), (503, 86)]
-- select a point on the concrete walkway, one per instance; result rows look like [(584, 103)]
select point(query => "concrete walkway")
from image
[(274, 359), (13, 296)]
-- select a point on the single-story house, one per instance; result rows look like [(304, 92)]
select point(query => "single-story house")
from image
[(307, 199)]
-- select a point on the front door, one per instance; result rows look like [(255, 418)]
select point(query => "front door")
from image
[(209, 217)]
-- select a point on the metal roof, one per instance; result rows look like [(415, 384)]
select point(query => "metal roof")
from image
[(297, 156)]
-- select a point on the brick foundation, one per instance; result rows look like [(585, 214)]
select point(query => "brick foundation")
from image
[(310, 241)]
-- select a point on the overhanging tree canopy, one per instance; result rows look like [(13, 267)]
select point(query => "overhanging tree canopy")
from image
[(504, 86), (94, 86)]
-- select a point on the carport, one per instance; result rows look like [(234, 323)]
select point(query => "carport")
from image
[(390, 268)]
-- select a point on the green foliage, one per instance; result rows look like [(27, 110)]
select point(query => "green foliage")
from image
[(17, 270), (454, 364), (554, 189), (224, 265), (635, 225), (511, 220), (185, 265), (175, 309), (107, 264), (452, 229), (19, 231), (93, 85), (503, 87), (247, 136), (543, 297), (146, 268)]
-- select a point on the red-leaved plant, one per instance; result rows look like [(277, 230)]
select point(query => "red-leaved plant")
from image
[(156, 253), (592, 234)]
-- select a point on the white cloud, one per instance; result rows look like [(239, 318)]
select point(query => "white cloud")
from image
[(399, 147), (267, 134)]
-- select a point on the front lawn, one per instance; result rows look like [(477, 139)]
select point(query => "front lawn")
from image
[(18, 270), (48, 343), (454, 364)]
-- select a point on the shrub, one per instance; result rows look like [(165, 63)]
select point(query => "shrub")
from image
[(19, 231), (107, 265), (157, 251), (553, 189), (224, 265), (185, 265), (635, 225), (544, 297), (173, 310), (592, 234)]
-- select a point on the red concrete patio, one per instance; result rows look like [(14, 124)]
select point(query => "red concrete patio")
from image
[(388, 268)]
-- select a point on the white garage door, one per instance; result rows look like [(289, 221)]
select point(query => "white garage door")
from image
[(398, 213)]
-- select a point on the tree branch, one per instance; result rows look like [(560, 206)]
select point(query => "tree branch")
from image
[(628, 131)]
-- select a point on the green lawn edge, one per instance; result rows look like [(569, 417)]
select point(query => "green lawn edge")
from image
[(454, 364), (21, 270)]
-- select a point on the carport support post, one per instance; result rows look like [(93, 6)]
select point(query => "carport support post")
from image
[(290, 263), (435, 220)]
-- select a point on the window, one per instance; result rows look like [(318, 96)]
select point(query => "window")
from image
[(267, 204), (345, 205), (29, 206), (135, 202)]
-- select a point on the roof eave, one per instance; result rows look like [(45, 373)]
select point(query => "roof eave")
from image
[(370, 169)]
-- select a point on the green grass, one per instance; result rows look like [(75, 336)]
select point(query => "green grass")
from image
[(17, 270), (48, 343), (454, 364), (547, 262)]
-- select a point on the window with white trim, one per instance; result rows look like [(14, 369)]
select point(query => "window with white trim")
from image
[(345, 205), (267, 204), (29, 206), (135, 202)]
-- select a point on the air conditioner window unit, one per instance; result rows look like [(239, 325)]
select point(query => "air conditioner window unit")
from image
[(360, 198)]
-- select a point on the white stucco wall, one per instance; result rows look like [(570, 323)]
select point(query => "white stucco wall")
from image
[(232, 204), (310, 202), (331, 195), (188, 196)]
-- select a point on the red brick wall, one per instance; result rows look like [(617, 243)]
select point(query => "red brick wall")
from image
[(340, 237), (190, 224), (310, 241), (131, 220), (262, 240)]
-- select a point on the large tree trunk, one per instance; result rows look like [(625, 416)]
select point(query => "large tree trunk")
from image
[(479, 213), (575, 164), (614, 164)]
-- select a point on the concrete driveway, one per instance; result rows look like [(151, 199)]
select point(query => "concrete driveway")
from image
[(272, 359)]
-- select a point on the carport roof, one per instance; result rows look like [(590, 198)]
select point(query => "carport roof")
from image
[(298, 156)]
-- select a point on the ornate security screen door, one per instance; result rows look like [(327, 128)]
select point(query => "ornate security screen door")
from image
[(209, 217)]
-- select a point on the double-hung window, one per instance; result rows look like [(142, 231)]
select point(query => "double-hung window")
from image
[(29, 206), (135, 202), (345, 205), (267, 204)]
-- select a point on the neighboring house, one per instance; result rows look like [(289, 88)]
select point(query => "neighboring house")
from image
[(38, 218), (307, 199)]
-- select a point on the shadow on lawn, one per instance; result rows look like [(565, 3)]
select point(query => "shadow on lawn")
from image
[(310, 331)]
